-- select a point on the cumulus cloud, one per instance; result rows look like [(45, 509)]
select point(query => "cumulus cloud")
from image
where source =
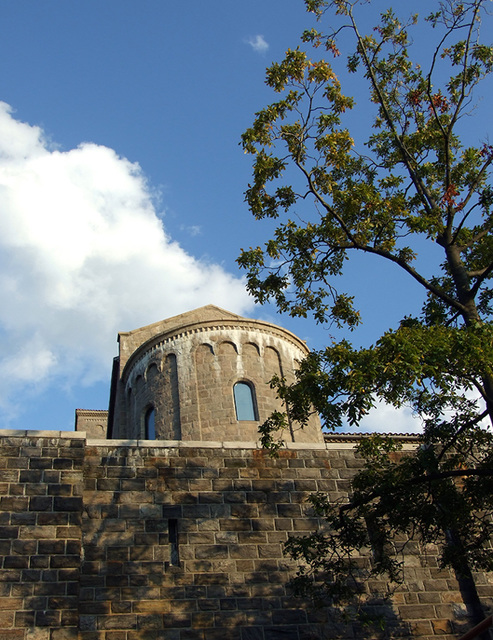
[(83, 254), (384, 418), (258, 44)]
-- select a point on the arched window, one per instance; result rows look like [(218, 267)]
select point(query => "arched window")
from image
[(244, 401), (149, 424)]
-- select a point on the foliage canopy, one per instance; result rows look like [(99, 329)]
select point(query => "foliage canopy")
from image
[(416, 185)]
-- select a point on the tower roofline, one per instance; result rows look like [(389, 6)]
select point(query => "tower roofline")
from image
[(130, 341), (137, 341), (221, 323)]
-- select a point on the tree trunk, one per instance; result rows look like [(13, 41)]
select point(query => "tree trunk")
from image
[(467, 586)]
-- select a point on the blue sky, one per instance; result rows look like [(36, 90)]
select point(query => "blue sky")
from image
[(122, 181)]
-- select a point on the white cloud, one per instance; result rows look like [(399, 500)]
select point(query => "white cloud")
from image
[(192, 230), (385, 418), (83, 254), (258, 44)]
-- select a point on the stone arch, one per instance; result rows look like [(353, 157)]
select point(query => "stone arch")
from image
[(207, 376), (203, 353), (272, 362), (138, 394), (250, 349), (171, 401), (228, 360), (152, 371), (227, 348)]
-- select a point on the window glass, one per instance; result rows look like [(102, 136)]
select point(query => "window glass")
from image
[(150, 431), (244, 402)]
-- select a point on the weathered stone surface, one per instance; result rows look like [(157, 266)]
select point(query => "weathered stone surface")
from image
[(184, 370), (203, 563)]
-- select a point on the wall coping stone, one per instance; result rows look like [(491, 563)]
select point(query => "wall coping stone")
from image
[(23, 433), (241, 445), (305, 445), (207, 444), (336, 441)]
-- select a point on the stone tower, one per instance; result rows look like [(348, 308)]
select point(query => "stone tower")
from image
[(203, 376)]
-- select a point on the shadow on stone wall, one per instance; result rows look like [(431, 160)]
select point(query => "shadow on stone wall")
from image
[(233, 510), (301, 622)]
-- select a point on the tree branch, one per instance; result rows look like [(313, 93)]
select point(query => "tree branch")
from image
[(364, 499)]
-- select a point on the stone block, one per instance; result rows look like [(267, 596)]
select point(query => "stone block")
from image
[(38, 634), (412, 612), (70, 532), (203, 619), (226, 537), (283, 524), (9, 532), (61, 503), (206, 551), (16, 562), (236, 524), (270, 551), (216, 579), (47, 518), (249, 537), (239, 551), (65, 634), (289, 510), (201, 537), (65, 561), (442, 626), (124, 621), (289, 617), (47, 619), (252, 633), (13, 503), (244, 511), (263, 524), (150, 622)]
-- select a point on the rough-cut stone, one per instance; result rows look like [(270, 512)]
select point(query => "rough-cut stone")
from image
[(184, 369), (202, 563)]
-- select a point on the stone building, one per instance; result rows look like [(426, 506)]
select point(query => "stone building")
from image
[(162, 518), (203, 376)]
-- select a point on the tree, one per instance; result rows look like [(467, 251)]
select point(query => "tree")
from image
[(416, 184)]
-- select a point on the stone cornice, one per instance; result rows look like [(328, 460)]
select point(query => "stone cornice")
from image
[(91, 412)]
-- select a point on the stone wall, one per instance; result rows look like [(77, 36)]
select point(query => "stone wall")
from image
[(128, 540), (41, 482)]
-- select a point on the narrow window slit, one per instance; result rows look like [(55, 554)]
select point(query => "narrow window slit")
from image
[(174, 556)]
